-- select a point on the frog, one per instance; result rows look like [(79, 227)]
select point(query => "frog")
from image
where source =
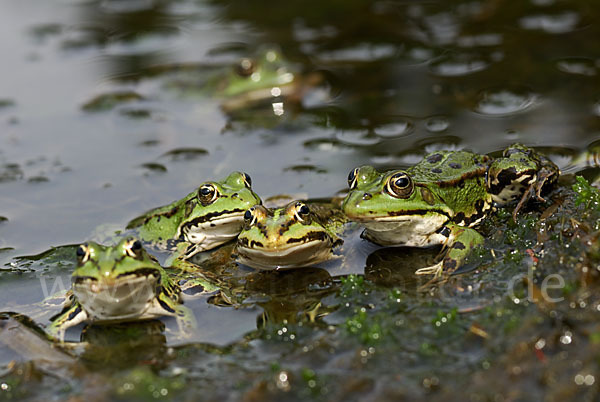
[(293, 236), (204, 219), (442, 198), (116, 284)]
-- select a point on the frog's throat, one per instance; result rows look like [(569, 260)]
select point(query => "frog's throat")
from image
[(126, 297), (290, 256), (406, 230)]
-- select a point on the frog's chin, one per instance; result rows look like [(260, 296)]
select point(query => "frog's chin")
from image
[(124, 298), (296, 256), (406, 230)]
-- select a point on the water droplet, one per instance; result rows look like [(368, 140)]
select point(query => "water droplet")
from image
[(500, 102), (436, 124), (394, 129), (578, 66)]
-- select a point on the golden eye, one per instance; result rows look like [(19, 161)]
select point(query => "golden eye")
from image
[(133, 248), (83, 253), (207, 194), (245, 68), (301, 211), (352, 178), (399, 185)]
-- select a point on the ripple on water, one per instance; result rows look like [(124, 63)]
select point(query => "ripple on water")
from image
[(577, 66), (554, 24), (455, 65), (365, 52), (504, 101), (357, 137), (394, 130), (130, 6), (328, 145)]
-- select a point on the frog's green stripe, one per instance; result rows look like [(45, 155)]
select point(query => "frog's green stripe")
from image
[(165, 305)]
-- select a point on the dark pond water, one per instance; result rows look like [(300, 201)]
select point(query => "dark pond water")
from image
[(109, 108)]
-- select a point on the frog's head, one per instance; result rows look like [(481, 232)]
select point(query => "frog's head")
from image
[(287, 237), (265, 72), (115, 281), (216, 213), (390, 197)]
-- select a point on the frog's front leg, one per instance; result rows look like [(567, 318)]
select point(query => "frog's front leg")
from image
[(461, 240), (68, 318), (189, 273), (178, 259)]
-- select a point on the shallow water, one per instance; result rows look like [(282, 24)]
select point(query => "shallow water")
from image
[(106, 110)]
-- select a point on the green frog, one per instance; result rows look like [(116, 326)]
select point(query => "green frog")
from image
[(119, 283), (440, 199), (296, 235), (204, 219)]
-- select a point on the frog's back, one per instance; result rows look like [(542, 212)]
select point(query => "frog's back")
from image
[(449, 168)]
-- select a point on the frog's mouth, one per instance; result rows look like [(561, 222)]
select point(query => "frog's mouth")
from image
[(125, 297), (215, 231), (402, 216), (298, 253)]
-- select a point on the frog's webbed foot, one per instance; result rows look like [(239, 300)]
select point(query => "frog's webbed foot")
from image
[(544, 179), (435, 270), (461, 241)]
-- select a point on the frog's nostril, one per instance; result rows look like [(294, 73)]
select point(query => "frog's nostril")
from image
[(367, 196)]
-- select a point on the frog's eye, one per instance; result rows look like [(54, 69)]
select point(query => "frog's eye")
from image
[(83, 253), (399, 185), (207, 194), (133, 248), (352, 178), (250, 216), (245, 68), (247, 180), (301, 211)]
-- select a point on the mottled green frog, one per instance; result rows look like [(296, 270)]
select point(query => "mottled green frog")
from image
[(119, 283), (204, 219), (297, 235), (441, 198)]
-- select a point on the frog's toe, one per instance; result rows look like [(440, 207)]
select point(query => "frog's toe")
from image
[(435, 270)]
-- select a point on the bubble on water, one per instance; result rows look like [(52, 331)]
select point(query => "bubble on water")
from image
[(357, 137), (458, 64), (437, 124), (554, 24), (577, 65), (393, 130), (504, 101)]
